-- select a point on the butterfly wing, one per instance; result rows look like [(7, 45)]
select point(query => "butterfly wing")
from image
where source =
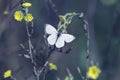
[(64, 38), (49, 29), (68, 37), (60, 42), (52, 39)]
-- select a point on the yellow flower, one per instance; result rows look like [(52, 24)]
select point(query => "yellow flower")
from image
[(52, 66), (18, 15), (93, 72), (7, 73), (28, 17), (26, 5)]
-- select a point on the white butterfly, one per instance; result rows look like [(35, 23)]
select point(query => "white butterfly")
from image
[(55, 39)]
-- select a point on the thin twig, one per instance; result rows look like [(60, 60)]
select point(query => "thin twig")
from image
[(13, 78), (31, 51), (69, 74), (23, 47), (87, 34), (79, 71)]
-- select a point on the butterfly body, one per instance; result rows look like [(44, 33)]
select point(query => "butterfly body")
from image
[(56, 38)]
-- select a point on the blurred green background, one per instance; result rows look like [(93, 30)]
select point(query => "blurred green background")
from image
[(103, 17)]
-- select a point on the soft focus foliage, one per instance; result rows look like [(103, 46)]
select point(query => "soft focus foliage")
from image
[(109, 2), (69, 78)]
